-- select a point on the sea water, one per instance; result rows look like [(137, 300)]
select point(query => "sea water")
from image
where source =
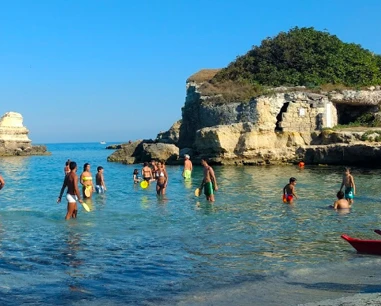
[(248, 248)]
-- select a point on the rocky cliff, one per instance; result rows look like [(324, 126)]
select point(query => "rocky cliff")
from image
[(14, 138), (286, 125)]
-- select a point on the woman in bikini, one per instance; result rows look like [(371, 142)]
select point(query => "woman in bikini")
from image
[(147, 172), (86, 180), (162, 179)]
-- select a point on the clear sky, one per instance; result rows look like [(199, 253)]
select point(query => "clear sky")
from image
[(115, 70)]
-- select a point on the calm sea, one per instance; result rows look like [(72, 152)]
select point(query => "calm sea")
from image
[(248, 248)]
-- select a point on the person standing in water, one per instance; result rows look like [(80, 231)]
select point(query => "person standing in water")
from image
[(147, 172), (350, 187), (71, 182), (86, 180), (100, 186), (135, 176), (209, 182), (154, 169), (188, 167), (2, 182), (162, 179), (289, 191), (67, 168)]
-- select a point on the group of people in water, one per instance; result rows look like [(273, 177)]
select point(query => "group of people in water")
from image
[(86, 180), (155, 171), (344, 199)]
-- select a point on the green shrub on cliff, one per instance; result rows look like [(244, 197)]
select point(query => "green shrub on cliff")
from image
[(304, 56)]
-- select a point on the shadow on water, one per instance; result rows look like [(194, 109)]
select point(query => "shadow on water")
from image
[(340, 287)]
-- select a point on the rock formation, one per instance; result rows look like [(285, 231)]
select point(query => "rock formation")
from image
[(144, 151), (14, 137), (286, 125)]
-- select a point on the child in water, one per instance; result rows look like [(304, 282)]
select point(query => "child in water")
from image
[(136, 176), (350, 187), (289, 191)]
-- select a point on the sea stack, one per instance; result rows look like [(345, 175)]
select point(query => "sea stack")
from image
[(14, 138)]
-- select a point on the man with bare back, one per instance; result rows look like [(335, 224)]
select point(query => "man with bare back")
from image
[(209, 182), (349, 184), (71, 182)]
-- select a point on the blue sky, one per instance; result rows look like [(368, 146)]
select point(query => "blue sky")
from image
[(115, 70)]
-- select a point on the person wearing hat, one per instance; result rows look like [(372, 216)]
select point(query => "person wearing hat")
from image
[(188, 167)]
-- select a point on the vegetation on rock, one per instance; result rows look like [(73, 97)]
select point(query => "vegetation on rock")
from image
[(300, 57)]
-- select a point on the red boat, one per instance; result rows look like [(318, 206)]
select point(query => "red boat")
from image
[(365, 246)]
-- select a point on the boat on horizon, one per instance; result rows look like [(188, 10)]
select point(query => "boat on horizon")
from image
[(103, 142)]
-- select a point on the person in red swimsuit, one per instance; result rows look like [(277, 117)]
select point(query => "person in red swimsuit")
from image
[(289, 191)]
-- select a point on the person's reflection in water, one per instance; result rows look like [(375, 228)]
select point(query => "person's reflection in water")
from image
[(188, 184), (72, 261), (73, 243), (100, 200), (144, 202), (162, 199)]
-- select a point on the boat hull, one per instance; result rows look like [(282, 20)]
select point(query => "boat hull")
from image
[(364, 246)]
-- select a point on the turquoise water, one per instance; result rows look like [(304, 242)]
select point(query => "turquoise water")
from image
[(134, 248)]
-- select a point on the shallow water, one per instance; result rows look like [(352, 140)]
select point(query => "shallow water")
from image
[(135, 248)]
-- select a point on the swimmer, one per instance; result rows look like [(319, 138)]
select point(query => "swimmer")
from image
[(289, 191), (209, 182), (71, 182), (341, 203), (188, 167), (100, 186), (350, 187), (87, 181)]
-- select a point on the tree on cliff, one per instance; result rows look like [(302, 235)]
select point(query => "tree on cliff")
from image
[(304, 56)]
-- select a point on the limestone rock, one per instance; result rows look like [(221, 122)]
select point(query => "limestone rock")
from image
[(357, 97), (331, 137), (244, 143), (14, 137), (12, 131), (341, 154), (129, 153), (291, 111), (172, 135), (159, 151), (144, 151), (114, 147)]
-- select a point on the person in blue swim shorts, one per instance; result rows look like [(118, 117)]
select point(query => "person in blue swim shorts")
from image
[(100, 186), (349, 184)]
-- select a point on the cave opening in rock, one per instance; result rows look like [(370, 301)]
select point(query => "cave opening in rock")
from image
[(279, 117), (347, 114)]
